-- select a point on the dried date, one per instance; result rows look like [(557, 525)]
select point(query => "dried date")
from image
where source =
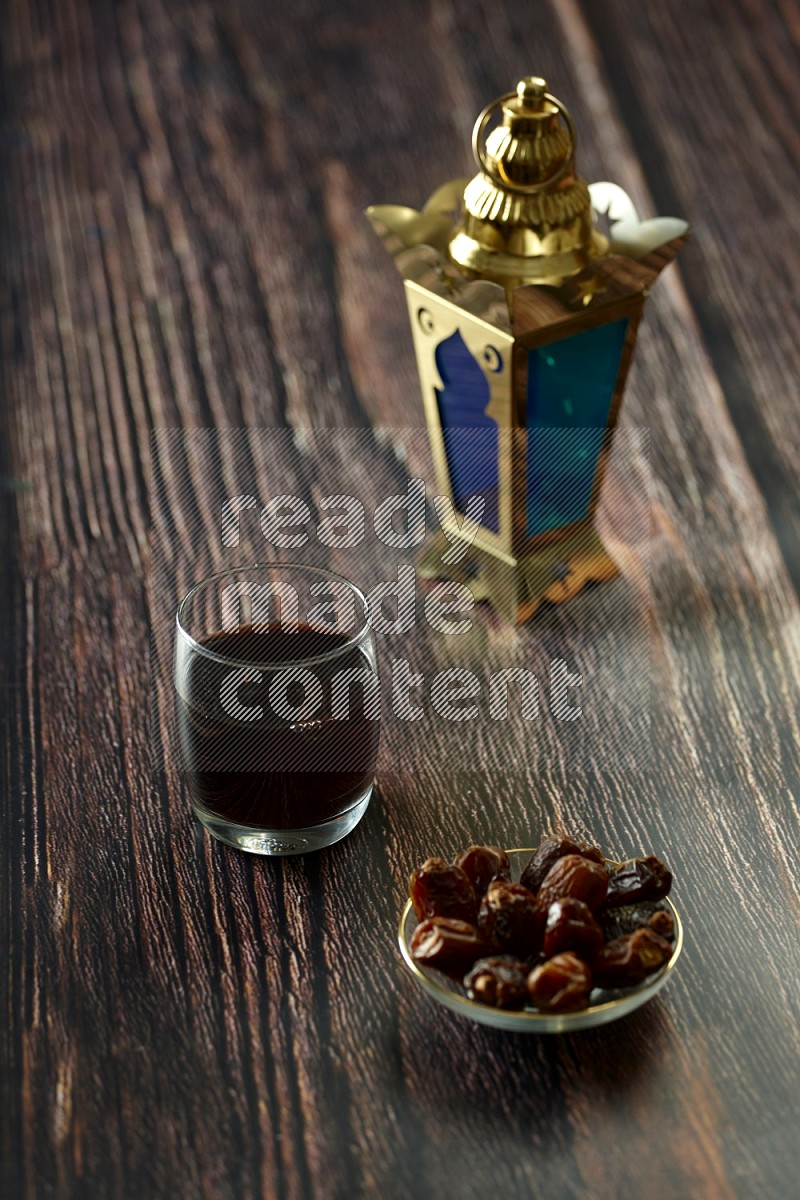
[(499, 982), (438, 889), (571, 926), (548, 853), (625, 919), (629, 959), (482, 865), (562, 984), (447, 944), (510, 920), (576, 877), (640, 879), (662, 922)]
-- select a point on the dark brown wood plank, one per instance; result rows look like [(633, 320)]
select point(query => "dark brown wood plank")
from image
[(709, 102), (183, 187)]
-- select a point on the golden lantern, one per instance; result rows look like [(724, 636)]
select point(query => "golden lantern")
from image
[(524, 318)]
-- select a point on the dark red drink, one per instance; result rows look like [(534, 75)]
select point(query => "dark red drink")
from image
[(272, 750)]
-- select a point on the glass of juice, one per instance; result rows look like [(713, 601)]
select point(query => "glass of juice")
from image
[(278, 701)]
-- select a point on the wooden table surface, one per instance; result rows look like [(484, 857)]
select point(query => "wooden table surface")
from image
[(184, 249)]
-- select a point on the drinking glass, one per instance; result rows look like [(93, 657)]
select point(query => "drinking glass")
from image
[(278, 702)]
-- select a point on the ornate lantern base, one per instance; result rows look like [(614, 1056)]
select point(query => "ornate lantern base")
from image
[(552, 574)]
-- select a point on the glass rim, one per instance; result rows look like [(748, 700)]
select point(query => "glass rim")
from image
[(265, 664)]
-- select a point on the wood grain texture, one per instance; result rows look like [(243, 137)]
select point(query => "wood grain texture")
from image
[(184, 248)]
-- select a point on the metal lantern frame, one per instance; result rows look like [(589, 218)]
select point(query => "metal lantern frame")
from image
[(500, 323)]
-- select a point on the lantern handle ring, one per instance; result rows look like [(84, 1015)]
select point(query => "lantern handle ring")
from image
[(479, 151)]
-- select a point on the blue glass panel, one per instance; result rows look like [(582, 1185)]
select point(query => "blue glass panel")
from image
[(570, 387), (470, 437)]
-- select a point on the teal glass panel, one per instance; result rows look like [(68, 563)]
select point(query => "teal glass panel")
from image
[(470, 436), (570, 387)]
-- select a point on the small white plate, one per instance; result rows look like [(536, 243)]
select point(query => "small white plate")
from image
[(606, 1006)]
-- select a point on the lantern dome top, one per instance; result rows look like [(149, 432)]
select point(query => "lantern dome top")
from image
[(527, 214)]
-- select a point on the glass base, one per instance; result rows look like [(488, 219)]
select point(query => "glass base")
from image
[(283, 842)]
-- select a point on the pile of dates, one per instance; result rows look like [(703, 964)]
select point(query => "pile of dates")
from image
[(574, 922)]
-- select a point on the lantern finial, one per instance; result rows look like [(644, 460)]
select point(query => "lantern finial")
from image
[(527, 214)]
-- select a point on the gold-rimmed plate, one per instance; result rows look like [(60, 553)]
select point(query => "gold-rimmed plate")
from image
[(605, 1006)]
